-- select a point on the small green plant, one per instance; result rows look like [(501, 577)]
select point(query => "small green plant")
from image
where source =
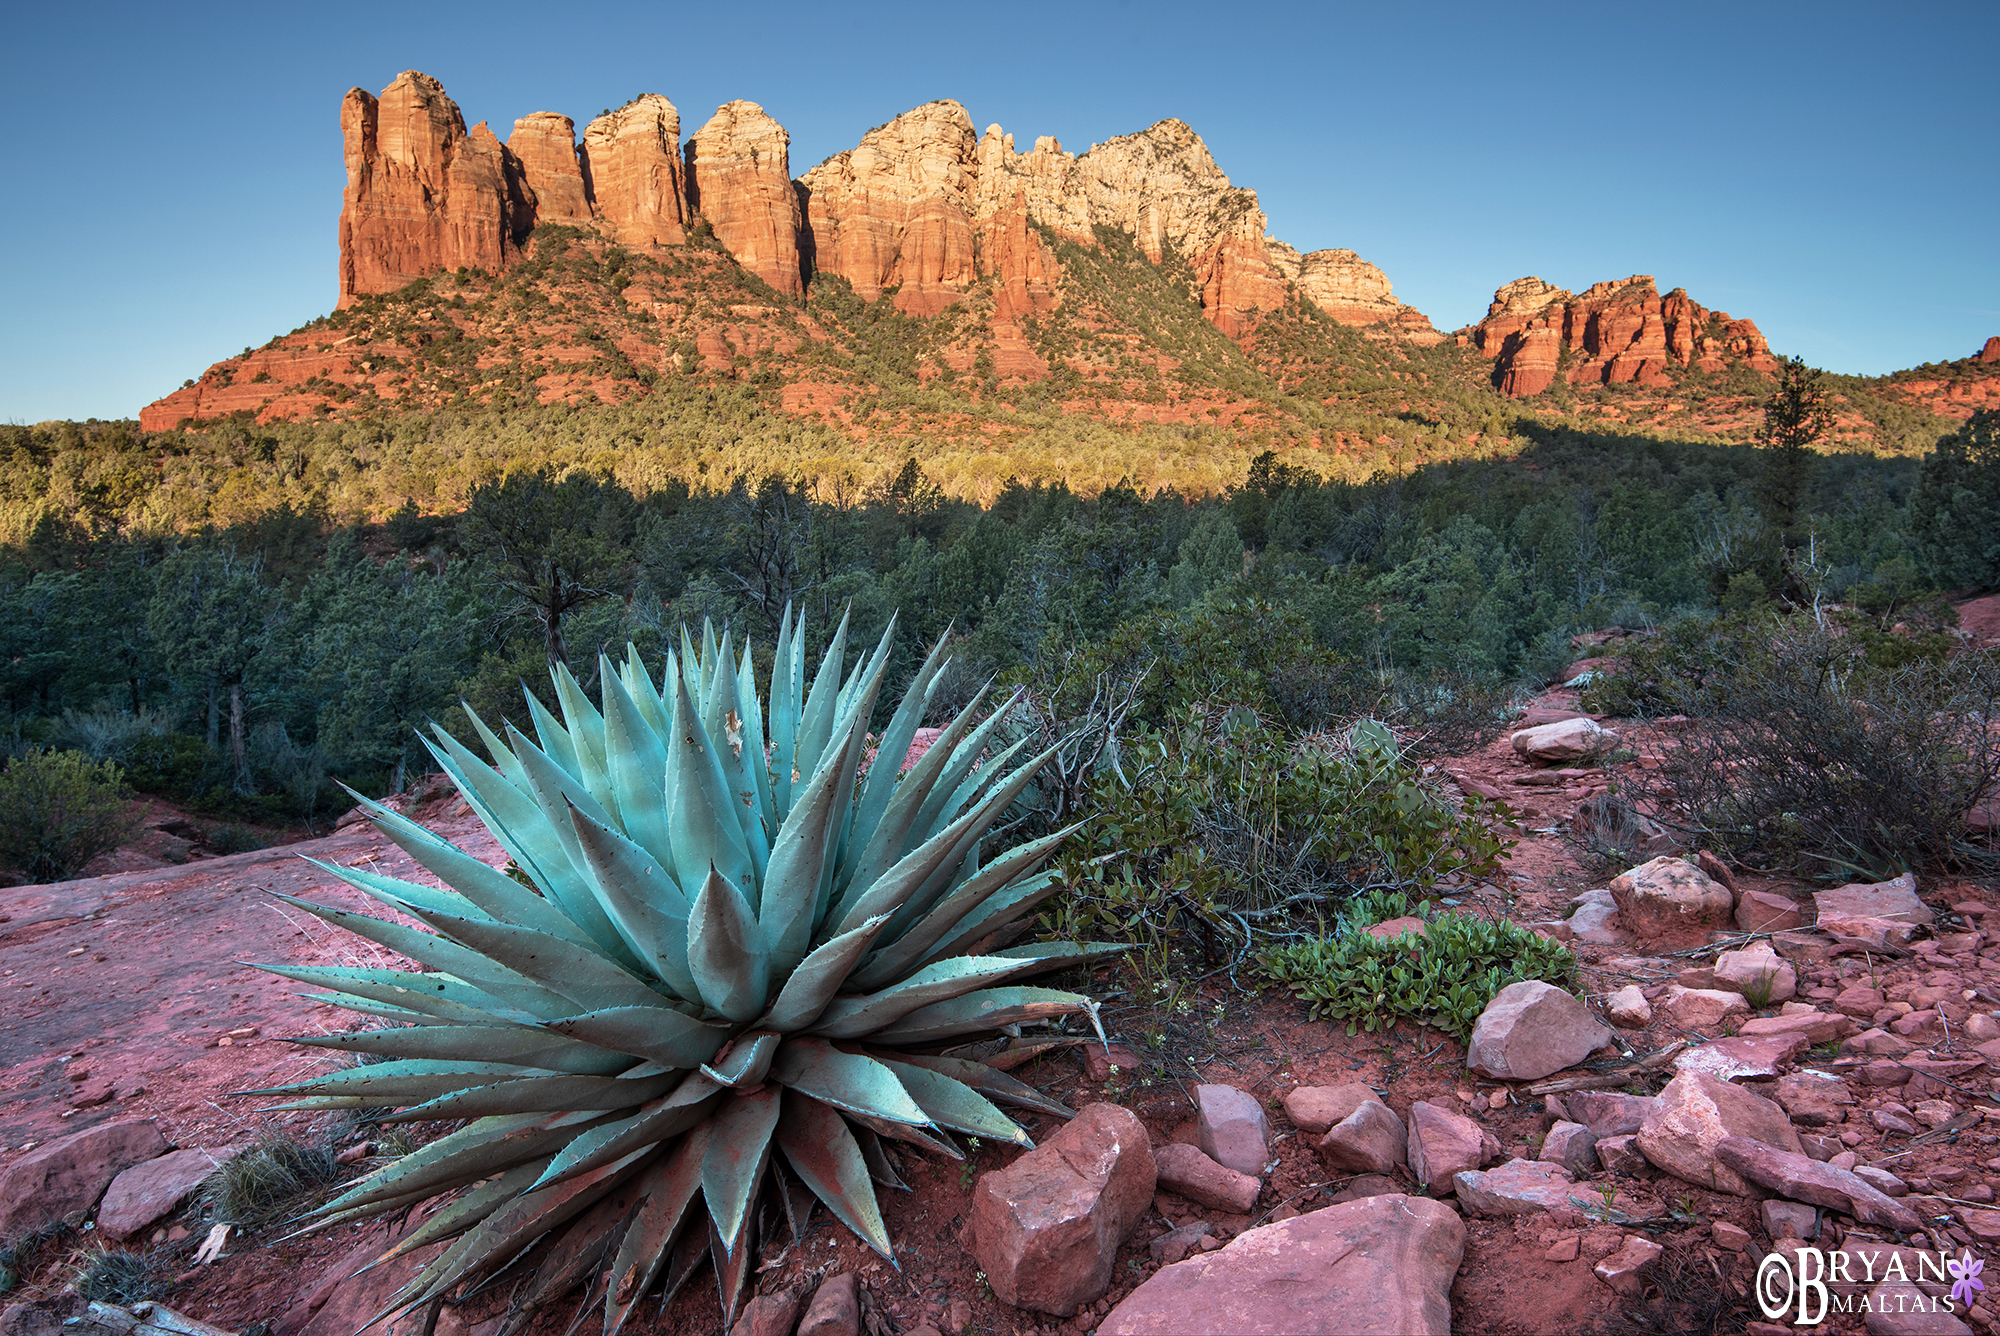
[(120, 1277), (1444, 978), (59, 810), (234, 839), (1757, 991), (268, 1178), (1683, 1209)]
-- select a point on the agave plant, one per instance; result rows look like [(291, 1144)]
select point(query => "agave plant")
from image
[(728, 947)]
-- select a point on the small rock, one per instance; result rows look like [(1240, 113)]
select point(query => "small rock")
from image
[(769, 1315), (1621, 1155), (1804, 1179), (1564, 1249), (1185, 1170), (1935, 1113), (1702, 1008), (1762, 911), (1101, 1064), (1886, 1121), (1669, 895), (1879, 1043), (1442, 1143), (1396, 927), (68, 1176), (1814, 1099), (1370, 1140), (1628, 1009), (1366, 1185), (835, 1309), (1788, 1220), (1316, 1108), (1980, 1027), (147, 1192), (1695, 1113), (1624, 1271), (1573, 1146), (1716, 870), (1859, 1001), (1565, 740), (1881, 1180), (1610, 1114), (1232, 1128), (1518, 1187), (1758, 1057), (1175, 1244), (1895, 900), (1816, 1026), (1530, 1030), (1756, 971), (1046, 1228), (1731, 1238)]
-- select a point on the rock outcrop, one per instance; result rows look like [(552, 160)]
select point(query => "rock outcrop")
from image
[(548, 186), (739, 178), (424, 194), (1351, 290), (1621, 332), (632, 165)]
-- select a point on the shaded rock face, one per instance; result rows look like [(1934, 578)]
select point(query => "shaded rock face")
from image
[(424, 195), (548, 185), (1382, 1264), (739, 178), (632, 164), (1621, 332)]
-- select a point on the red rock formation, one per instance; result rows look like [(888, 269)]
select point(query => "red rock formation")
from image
[(894, 211), (551, 179), (632, 169), (1022, 267), (1352, 291), (423, 195), (1991, 352), (1616, 333), (739, 178)]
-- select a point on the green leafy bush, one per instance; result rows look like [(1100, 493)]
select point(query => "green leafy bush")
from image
[(59, 810), (1443, 978)]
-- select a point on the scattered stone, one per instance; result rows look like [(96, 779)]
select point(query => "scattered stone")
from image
[(835, 1309), (1788, 1220), (1858, 933), (1389, 1260), (1596, 921), (1980, 1027), (1895, 900), (1316, 1108), (1396, 927), (1814, 1099), (1175, 1244), (1100, 1065), (1232, 1128), (1884, 1072), (1442, 1143), (1624, 1271), (1935, 1113), (147, 1192), (1757, 1057), (1565, 740), (1185, 1170), (1763, 911), (1564, 1249), (1875, 1042), (774, 1314), (1621, 1155), (1046, 1228), (1628, 1008), (1366, 1185), (1573, 1146), (1881, 1180), (1370, 1140), (1755, 971), (1702, 1008), (69, 1175), (1731, 1238), (1696, 1112), (1859, 1001), (1670, 895), (1816, 1026), (1609, 1114), (1804, 1179), (1518, 1187), (1715, 869), (1530, 1030)]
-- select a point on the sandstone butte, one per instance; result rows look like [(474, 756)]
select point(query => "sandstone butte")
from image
[(1621, 332)]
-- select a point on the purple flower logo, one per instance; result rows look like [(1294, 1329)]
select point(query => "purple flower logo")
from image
[(1965, 1277)]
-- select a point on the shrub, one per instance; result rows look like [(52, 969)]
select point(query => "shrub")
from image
[(266, 1179), (179, 766), (1443, 978), (234, 839), (59, 810), (120, 1277)]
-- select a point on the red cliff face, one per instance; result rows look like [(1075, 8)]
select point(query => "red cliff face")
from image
[(739, 179), (423, 195), (632, 165), (1616, 333), (550, 178), (1991, 352)]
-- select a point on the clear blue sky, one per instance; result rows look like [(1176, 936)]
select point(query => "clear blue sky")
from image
[(1826, 169)]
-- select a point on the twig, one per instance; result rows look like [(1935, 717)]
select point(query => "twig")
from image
[(1608, 1079)]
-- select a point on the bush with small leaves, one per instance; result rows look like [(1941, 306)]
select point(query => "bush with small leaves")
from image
[(59, 810)]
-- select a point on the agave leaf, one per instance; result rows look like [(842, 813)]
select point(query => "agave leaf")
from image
[(819, 976), (906, 952), (583, 1249), (439, 995), (477, 1150), (787, 676), (690, 1103), (723, 720), (884, 776), (550, 1094), (409, 1080), (497, 894), (641, 900), (670, 1185), (553, 737), (987, 1009), (817, 717), (737, 1154), (504, 760), (753, 743), (851, 1081), (576, 972), (992, 1083), (804, 851), (360, 1213), (947, 794), (977, 782), (733, 1258), (951, 1103), (876, 1156), (458, 1216), (745, 1062), (512, 1044), (822, 1151), (586, 733), (666, 1036), (726, 951), (403, 1016), (636, 759), (856, 1017), (402, 896), (644, 694), (899, 820), (1000, 909), (1045, 956), (488, 976), (707, 832)]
